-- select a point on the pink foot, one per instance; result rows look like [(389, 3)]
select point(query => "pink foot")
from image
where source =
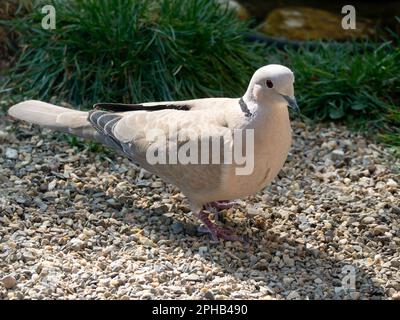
[(215, 231)]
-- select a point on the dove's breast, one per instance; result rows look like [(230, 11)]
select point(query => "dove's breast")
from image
[(272, 140)]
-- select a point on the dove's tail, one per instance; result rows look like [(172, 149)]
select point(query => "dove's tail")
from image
[(54, 117)]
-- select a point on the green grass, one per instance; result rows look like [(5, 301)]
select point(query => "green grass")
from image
[(81, 145), (132, 51), (350, 83)]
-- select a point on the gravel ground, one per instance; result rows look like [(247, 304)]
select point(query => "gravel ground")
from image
[(81, 225)]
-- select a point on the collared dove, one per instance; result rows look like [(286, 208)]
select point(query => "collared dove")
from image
[(125, 127)]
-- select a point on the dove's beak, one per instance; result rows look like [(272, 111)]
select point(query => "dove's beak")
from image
[(291, 103)]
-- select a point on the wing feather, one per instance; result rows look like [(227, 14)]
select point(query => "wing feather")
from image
[(127, 132), (122, 107)]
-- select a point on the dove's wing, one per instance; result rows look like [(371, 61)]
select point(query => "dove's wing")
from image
[(195, 128)]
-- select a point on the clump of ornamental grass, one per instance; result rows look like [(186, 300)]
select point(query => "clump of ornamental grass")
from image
[(9, 10), (353, 83), (132, 51)]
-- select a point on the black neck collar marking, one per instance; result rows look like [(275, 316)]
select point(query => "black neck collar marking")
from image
[(244, 108)]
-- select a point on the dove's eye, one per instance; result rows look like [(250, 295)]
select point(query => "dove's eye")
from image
[(269, 84)]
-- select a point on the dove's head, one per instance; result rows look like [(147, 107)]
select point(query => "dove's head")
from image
[(272, 85)]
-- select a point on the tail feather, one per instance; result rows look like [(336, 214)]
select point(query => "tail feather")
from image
[(54, 117)]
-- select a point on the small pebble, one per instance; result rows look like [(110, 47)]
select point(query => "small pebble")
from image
[(177, 227), (11, 153), (209, 295), (368, 220), (337, 155), (8, 282)]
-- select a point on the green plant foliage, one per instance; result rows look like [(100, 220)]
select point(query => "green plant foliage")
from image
[(133, 51), (81, 144), (349, 82)]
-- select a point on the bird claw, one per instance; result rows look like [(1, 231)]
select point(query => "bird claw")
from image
[(203, 229), (223, 204), (215, 231), (224, 233)]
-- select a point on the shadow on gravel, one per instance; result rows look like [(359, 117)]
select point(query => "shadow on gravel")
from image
[(279, 266)]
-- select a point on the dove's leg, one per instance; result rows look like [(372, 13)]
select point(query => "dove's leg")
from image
[(218, 205), (216, 231), (222, 204)]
